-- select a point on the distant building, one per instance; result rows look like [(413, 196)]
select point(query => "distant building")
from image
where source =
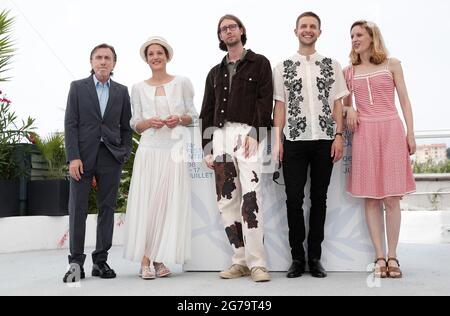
[(434, 154)]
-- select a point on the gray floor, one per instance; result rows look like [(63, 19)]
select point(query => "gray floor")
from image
[(426, 269)]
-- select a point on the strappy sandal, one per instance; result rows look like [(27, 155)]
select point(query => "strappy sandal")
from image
[(380, 271), (146, 273), (398, 273), (161, 270)]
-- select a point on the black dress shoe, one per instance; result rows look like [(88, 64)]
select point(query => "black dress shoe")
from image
[(296, 270), (103, 271), (75, 274), (316, 269)]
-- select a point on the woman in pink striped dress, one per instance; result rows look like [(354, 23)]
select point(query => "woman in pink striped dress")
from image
[(381, 169)]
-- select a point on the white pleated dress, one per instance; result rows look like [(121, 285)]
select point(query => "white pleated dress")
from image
[(158, 218)]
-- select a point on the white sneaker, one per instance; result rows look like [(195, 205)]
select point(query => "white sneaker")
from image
[(260, 274), (235, 271)]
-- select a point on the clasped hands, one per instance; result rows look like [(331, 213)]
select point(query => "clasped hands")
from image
[(171, 121)]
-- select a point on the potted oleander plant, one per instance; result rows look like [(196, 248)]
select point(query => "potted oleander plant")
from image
[(12, 157), (49, 196), (12, 131)]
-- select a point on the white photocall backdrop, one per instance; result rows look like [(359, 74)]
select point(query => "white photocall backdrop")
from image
[(347, 245)]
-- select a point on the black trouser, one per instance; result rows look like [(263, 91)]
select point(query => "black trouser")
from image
[(298, 156), (107, 173)]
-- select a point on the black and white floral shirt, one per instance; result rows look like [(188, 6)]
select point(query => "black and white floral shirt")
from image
[(309, 89)]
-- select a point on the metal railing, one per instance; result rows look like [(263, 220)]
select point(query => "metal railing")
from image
[(433, 134), (443, 133)]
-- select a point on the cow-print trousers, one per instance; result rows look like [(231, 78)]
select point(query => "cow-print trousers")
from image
[(238, 188)]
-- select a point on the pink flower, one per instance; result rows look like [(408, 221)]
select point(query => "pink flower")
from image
[(5, 100), (94, 183), (32, 138)]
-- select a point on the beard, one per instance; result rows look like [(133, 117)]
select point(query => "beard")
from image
[(232, 42)]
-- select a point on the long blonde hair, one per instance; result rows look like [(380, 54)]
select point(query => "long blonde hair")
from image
[(379, 53)]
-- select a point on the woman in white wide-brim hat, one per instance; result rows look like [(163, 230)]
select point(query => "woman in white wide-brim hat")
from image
[(158, 219)]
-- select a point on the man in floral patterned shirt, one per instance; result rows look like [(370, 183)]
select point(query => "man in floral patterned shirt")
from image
[(308, 92)]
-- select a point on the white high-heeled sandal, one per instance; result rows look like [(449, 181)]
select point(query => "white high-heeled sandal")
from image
[(161, 270), (146, 273)]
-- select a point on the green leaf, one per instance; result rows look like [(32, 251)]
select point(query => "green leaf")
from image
[(6, 43)]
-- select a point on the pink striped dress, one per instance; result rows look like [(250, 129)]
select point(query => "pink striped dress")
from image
[(381, 164)]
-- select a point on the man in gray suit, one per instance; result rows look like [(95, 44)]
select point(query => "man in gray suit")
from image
[(98, 141)]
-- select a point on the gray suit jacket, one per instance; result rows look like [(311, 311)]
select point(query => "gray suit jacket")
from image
[(84, 125)]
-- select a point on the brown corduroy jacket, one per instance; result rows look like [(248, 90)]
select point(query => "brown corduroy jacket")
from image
[(249, 101)]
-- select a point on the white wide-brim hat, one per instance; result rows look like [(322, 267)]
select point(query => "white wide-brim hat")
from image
[(156, 40)]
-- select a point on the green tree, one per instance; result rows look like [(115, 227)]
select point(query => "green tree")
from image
[(448, 153), (432, 168)]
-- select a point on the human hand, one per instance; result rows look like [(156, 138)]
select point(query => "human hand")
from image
[(278, 151), (250, 147), (172, 121), (411, 140), (76, 169), (155, 122), (352, 119), (209, 160), (337, 149)]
